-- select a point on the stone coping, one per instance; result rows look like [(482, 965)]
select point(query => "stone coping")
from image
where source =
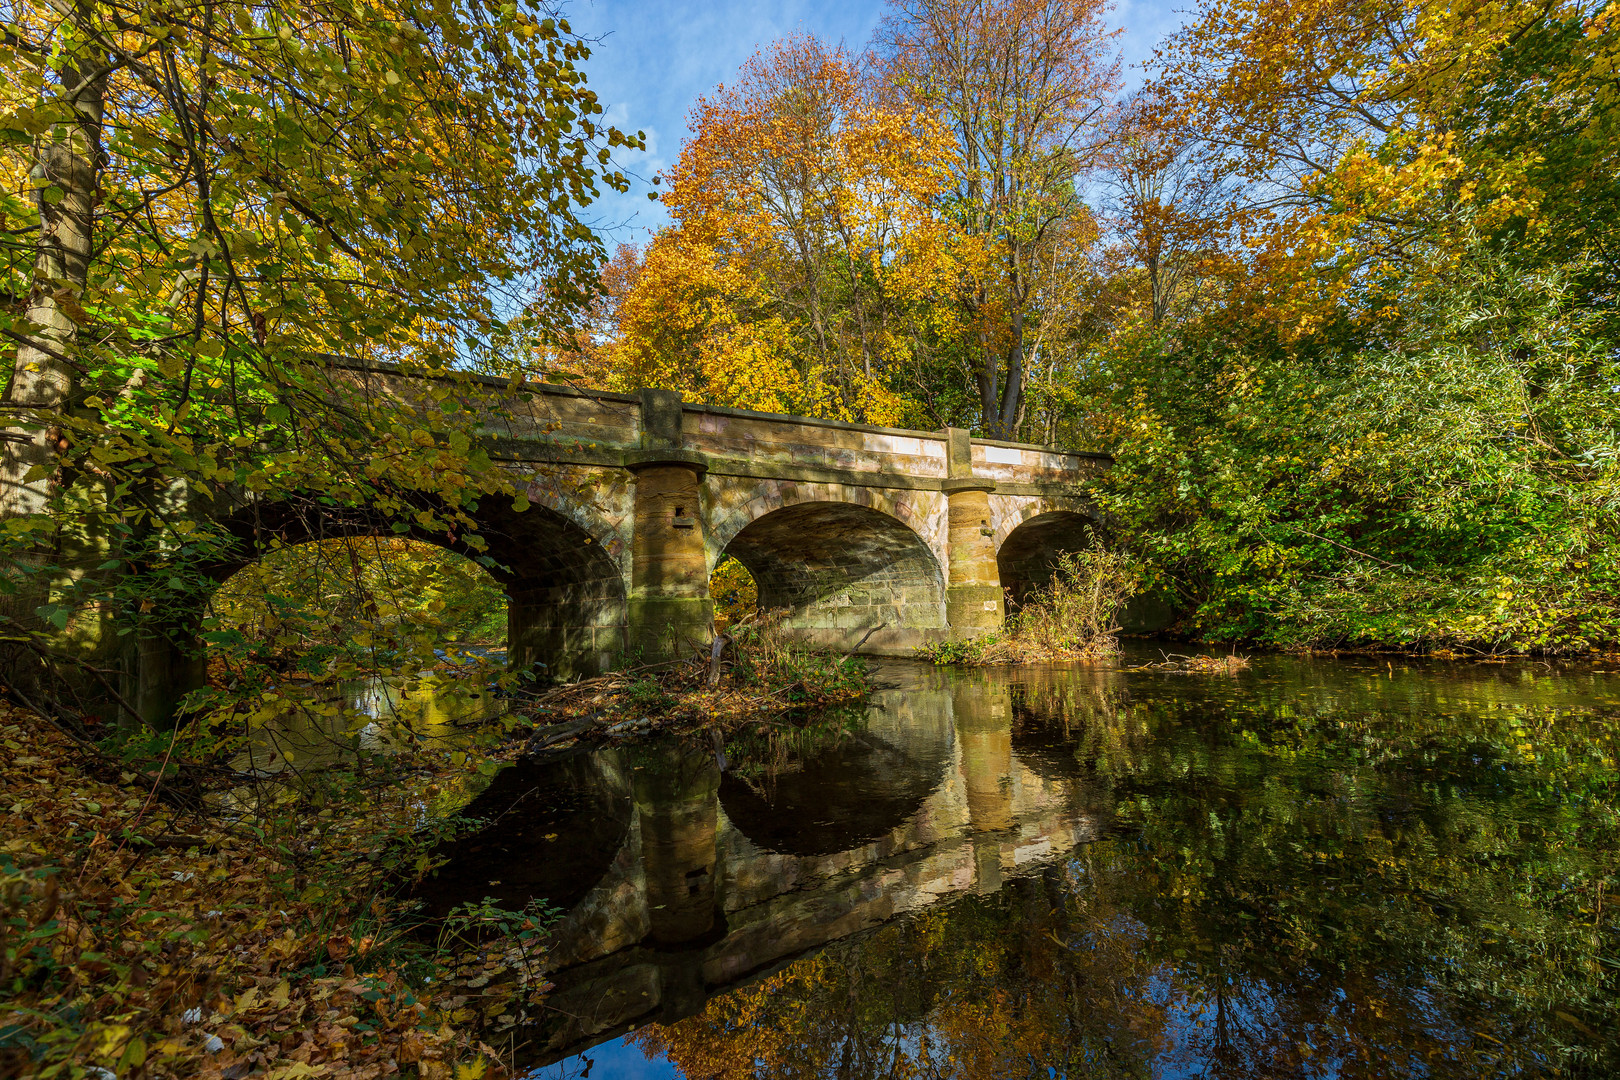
[(966, 483), (565, 390)]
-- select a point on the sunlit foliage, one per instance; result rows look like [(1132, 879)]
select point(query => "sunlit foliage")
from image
[(808, 270)]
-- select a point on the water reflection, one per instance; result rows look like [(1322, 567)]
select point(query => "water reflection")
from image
[(1334, 869), (311, 727), (852, 786)]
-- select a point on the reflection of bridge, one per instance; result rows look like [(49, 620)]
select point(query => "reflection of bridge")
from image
[(714, 881), (632, 500)]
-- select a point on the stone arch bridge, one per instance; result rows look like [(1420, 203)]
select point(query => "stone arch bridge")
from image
[(874, 537)]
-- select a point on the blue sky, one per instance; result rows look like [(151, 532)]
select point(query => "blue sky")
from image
[(657, 58)]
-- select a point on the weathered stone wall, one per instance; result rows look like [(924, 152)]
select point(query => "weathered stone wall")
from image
[(791, 448)]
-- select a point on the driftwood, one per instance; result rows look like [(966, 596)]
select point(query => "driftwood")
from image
[(556, 733), (1206, 664)]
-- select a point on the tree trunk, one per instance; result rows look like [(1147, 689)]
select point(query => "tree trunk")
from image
[(989, 398), (43, 379), (1012, 393), (42, 384)]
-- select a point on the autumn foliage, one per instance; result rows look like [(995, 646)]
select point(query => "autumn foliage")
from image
[(807, 267)]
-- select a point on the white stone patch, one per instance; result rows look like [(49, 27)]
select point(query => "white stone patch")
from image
[(1003, 455), (893, 444), (1031, 852)]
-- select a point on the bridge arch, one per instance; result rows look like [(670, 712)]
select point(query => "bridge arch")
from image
[(1031, 539), (565, 587), (918, 511), (840, 569)]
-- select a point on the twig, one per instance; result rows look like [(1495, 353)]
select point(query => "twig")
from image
[(29, 643), (1367, 555), (861, 642)]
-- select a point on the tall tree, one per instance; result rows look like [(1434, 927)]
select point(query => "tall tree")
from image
[(1379, 140), (206, 200), (1024, 86), (807, 267), (1167, 205)]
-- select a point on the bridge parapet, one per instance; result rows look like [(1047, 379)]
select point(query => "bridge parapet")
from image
[(546, 422)]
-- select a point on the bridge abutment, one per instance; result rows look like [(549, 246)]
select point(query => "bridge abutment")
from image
[(166, 667)]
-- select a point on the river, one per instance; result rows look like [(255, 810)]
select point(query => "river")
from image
[(1311, 868)]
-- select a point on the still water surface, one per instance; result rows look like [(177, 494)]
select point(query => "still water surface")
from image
[(1313, 868)]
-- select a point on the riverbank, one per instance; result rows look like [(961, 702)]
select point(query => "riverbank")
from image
[(147, 936), (162, 914), (746, 676), (1075, 616)]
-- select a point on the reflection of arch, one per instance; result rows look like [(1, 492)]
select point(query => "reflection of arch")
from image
[(855, 791), (1028, 556), (841, 567), (566, 810)]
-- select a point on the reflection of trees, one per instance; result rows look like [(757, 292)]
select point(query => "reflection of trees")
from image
[(990, 988), (1069, 723), (1368, 882)]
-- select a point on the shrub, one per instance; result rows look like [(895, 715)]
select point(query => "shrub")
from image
[(1074, 617)]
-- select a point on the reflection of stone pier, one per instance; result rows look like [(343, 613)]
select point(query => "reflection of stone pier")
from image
[(719, 882), (678, 814)]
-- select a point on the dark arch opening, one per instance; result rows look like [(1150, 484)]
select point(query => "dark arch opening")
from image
[(734, 592), (1028, 557), (566, 608), (344, 586), (325, 641), (839, 570)]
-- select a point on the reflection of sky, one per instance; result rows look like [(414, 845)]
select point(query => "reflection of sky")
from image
[(616, 1060), (656, 59), (1259, 1028)]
